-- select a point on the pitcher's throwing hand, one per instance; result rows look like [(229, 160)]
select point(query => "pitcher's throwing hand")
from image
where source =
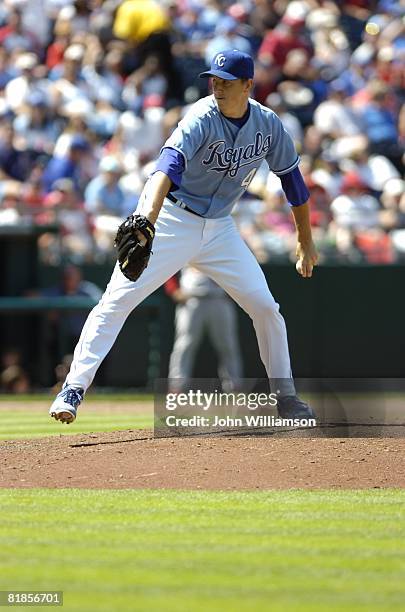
[(307, 259)]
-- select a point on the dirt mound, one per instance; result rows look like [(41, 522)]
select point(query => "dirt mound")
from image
[(134, 459)]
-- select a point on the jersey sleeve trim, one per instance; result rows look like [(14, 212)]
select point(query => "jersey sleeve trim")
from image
[(294, 187), (286, 170), (171, 162), (178, 150)]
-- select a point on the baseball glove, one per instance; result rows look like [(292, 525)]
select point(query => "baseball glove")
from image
[(134, 245)]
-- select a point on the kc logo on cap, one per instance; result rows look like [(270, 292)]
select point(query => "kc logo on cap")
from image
[(231, 65), (219, 60)]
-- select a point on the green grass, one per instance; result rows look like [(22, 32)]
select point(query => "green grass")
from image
[(124, 550), (14, 425)]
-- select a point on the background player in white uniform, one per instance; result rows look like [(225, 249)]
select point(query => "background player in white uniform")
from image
[(203, 306), (204, 168)]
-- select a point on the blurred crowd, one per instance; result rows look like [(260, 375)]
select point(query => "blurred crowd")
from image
[(91, 89)]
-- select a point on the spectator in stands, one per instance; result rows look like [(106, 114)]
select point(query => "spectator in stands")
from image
[(276, 215), (68, 324), (25, 83), (65, 209), (138, 139), (331, 46), (301, 87), (11, 211), (13, 376), (344, 249), (267, 78), (312, 143), (401, 130), (380, 123), (72, 284), (33, 197), (14, 162), (103, 194), (355, 208), (68, 166), (6, 71), (264, 17), (68, 83), (36, 127), (148, 81), (145, 25), (81, 15), (14, 380), (14, 35), (289, 34), (375, 170), (61, 38), (326, 172), (320, 207), (226, 37), (104, 78), (190, 30), (376, 246), (105, 202), (392, 215), (273, 230), (76, 122), (290, 121), (334, 117)]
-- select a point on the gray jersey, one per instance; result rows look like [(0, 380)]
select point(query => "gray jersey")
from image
[(196, 284)]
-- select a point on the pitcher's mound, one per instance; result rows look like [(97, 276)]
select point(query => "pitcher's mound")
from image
[(134, 459)]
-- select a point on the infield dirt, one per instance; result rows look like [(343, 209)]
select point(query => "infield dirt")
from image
[(134, 459)]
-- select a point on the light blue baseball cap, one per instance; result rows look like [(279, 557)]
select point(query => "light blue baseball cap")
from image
[(231, 65)]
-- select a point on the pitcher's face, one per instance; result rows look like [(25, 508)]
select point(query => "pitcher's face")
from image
[(231, 95)]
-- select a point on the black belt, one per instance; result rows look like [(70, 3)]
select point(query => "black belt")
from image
[(181, 204)]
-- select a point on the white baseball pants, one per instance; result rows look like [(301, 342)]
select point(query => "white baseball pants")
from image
[(215, 247)]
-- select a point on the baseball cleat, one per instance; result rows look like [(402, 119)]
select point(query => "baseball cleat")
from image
[(64, 408), (292, 407)]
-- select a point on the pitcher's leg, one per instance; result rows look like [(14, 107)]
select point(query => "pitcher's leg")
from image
[(122, 295), (102, 328), (227, 259), (271, 334)]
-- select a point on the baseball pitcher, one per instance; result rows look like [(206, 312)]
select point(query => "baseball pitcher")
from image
[(203, 169)]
